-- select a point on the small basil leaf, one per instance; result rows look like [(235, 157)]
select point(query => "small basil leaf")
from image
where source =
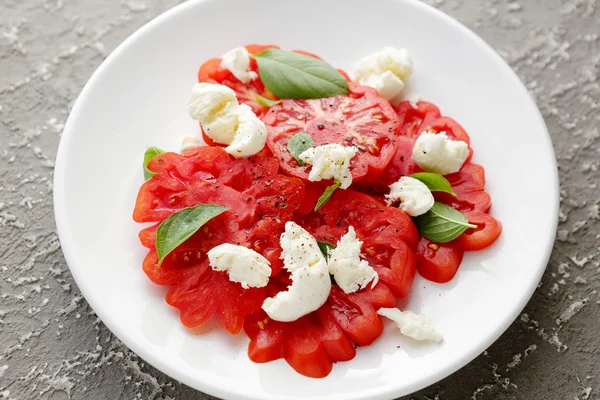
[(297, 76), (435, 182), (442, 223), (327, 194), (298, 144), (181, 225), (150, 153), (263, 101), (325, 247)]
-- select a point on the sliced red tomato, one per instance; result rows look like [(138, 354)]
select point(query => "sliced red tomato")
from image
[(466, 202), (470, 178), (202, 292), (172, 188), (356, 313), (361, 119), (388, 235), (412, 120), (260, 202), (212, 72), (438, 262), (314, 342), (488, 230)]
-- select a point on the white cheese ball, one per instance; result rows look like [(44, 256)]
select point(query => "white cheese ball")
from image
[(414, 196), (386, 71), (436, 152), (311, 283), (330, 161), (412, 325), (238, 62), (225, 121), (243, 265), (351, 273)]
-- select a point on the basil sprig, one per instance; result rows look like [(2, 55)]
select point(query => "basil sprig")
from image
[(150, 153), (325, 247), (327, 194), (435, 182), (263, 101), (298, 144), (442, 223), (291, 75), (181, 225)]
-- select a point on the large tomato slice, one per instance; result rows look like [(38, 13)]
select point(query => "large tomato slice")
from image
[(260, 201), (438, 262), (413, 121), (388, 234), (212, 72), (314, 342), (361, 119)]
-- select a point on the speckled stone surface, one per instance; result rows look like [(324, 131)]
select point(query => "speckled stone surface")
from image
[(53, 347)]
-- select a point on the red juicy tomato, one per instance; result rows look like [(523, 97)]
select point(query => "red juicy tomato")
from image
[(438, 262), (488, 230), (260, 201), (212, 72), (361, 119), (314, 342), (412, 120), (388, 235)]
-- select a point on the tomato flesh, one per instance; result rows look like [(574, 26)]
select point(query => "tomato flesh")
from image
[(361, 119), (438, 262), (260, 201)]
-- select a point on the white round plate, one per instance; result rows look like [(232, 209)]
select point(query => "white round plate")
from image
[(138, 98)]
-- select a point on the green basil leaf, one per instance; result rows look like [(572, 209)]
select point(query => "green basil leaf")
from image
[(181, 225), (327, 194), (150, 153), (263, 101), (325, 247), (435, 182), (442, 223), (298, 144), (296, 76)]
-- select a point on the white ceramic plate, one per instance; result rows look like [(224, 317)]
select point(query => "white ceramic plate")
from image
[(138, 97)]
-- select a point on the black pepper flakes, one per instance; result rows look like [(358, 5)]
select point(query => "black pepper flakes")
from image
[(321, 126)]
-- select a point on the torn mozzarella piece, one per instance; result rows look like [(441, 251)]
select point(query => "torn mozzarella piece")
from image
[(330, 161), (225, 121), (351, 273), (251, 133), (436, 152), (412, 325), (414, 196), (243, 265), (238, 62), (311, 283), (386, 71), (189, 143)]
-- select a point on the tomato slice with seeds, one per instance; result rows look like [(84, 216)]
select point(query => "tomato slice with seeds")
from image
[(212, 72), (388, 235), (412, 119), (438, 262), (361, 119), (488, 230), (314, 342), (260, 201), (356, 313), (170, 190)]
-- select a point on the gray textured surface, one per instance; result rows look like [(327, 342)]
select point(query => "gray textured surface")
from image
[(52, 346)]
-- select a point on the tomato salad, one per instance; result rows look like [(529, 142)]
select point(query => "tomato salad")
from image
[(313, 204)]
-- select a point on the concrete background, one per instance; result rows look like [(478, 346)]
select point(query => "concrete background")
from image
[(52, 346)]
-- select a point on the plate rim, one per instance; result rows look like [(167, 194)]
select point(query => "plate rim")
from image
[(206, 386)]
